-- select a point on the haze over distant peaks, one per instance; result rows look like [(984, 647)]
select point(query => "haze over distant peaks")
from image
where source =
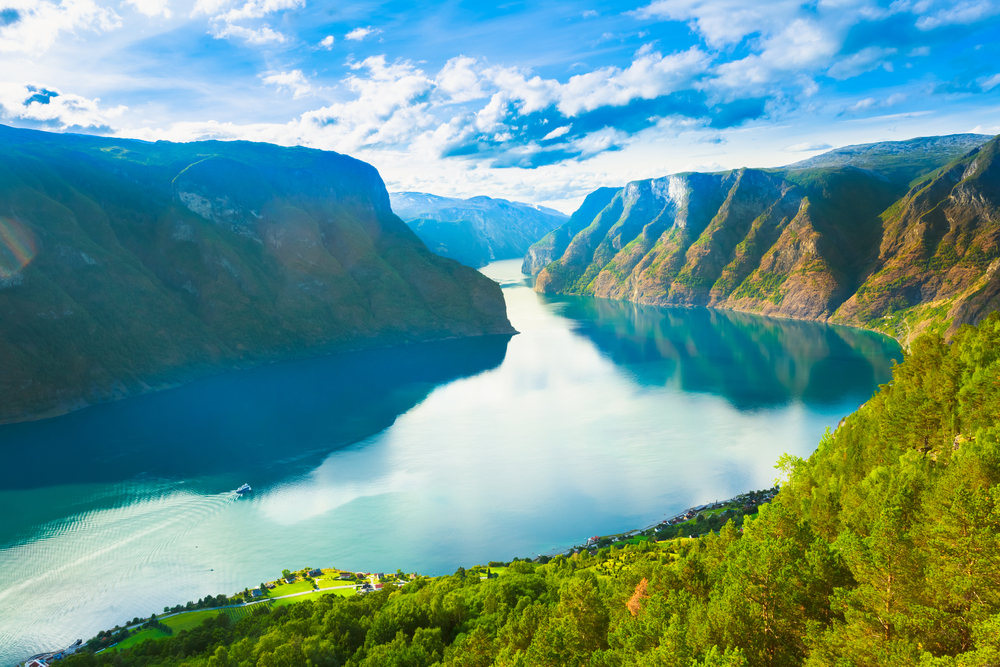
[(921, 152), (477, 230)]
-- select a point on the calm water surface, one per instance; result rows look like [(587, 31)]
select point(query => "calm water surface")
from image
[(598, 417)]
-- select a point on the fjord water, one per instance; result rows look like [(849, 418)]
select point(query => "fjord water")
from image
[(600, 416)]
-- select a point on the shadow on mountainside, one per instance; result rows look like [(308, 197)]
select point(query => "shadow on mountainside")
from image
[(269, 422)]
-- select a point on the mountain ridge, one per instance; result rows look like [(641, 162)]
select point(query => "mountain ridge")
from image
[(127, 266), (821, 243)]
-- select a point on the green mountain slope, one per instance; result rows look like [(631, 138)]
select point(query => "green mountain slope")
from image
[(881, 549), (474, 231), (831, 238), (127, 265)]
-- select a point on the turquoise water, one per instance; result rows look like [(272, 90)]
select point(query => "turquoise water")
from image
[(598, 417)]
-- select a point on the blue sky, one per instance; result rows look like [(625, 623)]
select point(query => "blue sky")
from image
[(539, 102)]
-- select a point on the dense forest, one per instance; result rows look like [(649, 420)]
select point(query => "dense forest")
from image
[(880, 549)]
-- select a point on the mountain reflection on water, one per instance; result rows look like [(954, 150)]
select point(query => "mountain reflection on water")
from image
[(752, 361), (284, 417), (598, 417)]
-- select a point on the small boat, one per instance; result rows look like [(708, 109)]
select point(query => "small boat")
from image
[(244, 489)]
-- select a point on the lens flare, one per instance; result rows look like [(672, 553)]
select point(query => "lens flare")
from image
[(17, 247)]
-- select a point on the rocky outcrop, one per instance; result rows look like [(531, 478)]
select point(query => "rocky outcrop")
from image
[(127, 265)]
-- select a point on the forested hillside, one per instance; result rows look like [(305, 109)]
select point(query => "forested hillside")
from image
[(900, 236), (881, 549), (126, 265)]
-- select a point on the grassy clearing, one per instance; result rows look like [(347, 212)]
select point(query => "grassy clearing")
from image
[(284, 602), (188, 620), (332, 581), (141, 636), (300, 586)]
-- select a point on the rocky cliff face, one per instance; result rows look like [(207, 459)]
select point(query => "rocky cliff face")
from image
[(475, 231), (938, 257), (839, 243), (127, 265)]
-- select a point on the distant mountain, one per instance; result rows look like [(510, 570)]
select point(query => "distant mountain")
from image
[(846, 241), (474, 231), (898, 160), (127, 265)]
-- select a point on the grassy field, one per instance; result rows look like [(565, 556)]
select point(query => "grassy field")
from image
[(188, 620), (300, 586), (331, 581), (346, 592), (139, 637)]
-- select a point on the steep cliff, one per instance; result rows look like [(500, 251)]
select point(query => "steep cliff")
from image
[(474, 231), (127, 265), (898, 236)]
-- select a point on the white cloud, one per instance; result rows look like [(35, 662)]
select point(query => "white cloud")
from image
[(589, 14), (789, 56), (39, 23), (919, 51), (649, 76), (558, 132), (872, 103), (50, 107), (359, 34), (724, 22), (459, 80), (225, 23), (807, 146), (255, 9), (990, 83), (327, 42), (262, 35), (387, 110), (151, 7), (959, 13), (862, 105), (293, 81), (863, 61)]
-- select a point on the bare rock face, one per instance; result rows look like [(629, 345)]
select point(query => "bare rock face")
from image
[(126, 265), (845, 239)]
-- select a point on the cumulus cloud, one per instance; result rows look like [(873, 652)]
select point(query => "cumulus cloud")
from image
[(262, 35), (649, 76), (359, 34), (151, 7), (327, 42), (724, 22), (459, 80), (294, 82), (48, 107), (389, 106), (32, 26), (229, 21), (256, 9)]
